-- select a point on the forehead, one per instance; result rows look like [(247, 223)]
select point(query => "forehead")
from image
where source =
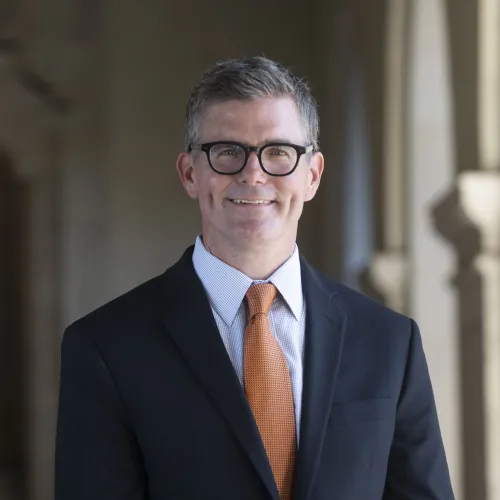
[(253, 122)]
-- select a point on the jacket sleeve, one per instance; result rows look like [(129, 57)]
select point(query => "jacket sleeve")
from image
[(417, 468), (97, 455)]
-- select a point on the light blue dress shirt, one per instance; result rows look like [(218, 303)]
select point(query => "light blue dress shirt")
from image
[(226, 288)]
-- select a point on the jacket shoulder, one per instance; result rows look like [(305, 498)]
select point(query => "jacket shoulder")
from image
[(135, 307)]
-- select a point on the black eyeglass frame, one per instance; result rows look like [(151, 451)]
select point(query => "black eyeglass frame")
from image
[(207, 146)]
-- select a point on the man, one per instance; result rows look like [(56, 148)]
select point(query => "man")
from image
[(242, 372)]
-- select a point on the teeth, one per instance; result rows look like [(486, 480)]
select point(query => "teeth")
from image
[(251, 202)]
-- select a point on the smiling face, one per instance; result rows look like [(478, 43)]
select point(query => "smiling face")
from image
[(251, 210)]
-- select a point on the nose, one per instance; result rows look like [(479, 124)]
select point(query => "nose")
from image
[(252, 173)]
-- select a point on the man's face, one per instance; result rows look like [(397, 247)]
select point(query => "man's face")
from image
[(242, 225)]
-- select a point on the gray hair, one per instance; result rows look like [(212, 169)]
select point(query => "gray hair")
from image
[(250, 78)]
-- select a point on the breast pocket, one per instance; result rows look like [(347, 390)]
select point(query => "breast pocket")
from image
[(362, 411)]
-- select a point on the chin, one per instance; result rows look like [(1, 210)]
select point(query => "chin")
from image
[(254, 236)]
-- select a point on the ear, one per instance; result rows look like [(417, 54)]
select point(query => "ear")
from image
[(187, 173), (314, 174)]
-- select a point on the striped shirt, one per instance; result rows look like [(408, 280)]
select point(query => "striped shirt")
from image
[(226, 288)]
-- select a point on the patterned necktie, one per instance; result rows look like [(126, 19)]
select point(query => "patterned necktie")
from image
[(269, 389)]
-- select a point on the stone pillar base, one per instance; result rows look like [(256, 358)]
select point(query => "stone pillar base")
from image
[(469, 218), (385, 279)]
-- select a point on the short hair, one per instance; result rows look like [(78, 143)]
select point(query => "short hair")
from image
[(247, 79)]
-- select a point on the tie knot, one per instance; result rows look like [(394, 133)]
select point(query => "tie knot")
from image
[(260, 297)]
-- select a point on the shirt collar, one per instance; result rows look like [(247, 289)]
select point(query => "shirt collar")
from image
[(226, 287), (288, 280)]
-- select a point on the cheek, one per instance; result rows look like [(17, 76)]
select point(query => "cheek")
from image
[(213, 189), (295, 192)]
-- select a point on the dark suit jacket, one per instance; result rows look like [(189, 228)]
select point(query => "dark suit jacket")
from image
[(151, 407)]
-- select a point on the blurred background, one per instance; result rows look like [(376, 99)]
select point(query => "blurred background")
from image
[(92, 98)]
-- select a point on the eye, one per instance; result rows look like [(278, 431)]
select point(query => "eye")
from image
[(229, 151), (283, 152)]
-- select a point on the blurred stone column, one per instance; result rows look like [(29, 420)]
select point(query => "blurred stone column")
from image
[(29, 131), (468, 217), (409, 116), (320, 228), (385, 62), (44, 322), (431, 170)]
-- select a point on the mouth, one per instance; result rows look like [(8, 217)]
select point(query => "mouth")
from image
[(246, 202)]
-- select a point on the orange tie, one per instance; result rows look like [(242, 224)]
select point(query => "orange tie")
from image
[(269, 389)]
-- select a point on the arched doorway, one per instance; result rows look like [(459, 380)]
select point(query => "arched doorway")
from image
[(12, 334)]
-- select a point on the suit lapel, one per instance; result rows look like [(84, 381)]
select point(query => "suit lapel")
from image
[(189, 321), (325, 324)]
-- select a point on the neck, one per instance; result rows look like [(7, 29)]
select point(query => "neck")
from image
[(258, 263)]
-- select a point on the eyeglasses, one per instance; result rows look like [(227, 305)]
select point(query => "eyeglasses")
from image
[(230, 158)]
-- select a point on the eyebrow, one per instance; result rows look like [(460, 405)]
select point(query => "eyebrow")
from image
[(267, 141), (279, 139)]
